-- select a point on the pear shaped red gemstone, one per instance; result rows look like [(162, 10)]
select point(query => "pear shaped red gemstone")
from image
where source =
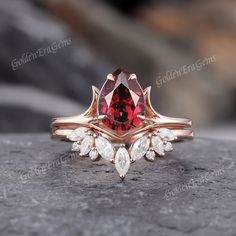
[(121, 100)]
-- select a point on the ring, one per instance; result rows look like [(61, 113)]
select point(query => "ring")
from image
[(121, 125)]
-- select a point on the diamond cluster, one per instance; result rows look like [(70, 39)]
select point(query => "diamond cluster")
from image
[(151, 145)]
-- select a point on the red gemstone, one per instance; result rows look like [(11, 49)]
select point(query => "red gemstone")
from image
[(121, 100)]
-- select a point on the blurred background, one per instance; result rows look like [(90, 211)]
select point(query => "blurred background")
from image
[(53, 51)]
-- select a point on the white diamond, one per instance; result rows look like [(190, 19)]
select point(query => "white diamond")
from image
[(75, 147), (122, 161), (150, 155), (139, 148), (105, 148), (157, 145), (78, 134), (93, 154), (86, 145), (168, 147), (166, 134)]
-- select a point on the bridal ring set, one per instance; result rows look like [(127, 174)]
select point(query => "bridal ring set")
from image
[(121, 125)]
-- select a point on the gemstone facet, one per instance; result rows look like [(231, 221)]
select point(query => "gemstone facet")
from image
[(168, 147), (75, 147), (139, 148), (86, 145), (93, 154), (78, 134), (150, 155), (121, 100), (122, 161), (105, 148), (166, 134), (157, 144)]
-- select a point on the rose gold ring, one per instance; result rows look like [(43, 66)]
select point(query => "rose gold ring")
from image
[(121, 125)]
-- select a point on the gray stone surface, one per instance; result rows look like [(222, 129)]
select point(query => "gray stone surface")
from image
[(45, 190)]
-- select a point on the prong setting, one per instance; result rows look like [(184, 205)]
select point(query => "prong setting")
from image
[(98, 135), (132, 76), (110, 77)]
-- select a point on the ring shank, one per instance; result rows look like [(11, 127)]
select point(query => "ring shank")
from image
[(62, 127), (61, 130)]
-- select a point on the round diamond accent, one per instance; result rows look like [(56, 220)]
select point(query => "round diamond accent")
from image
[(75, 147), (150, 155), (93, 154)]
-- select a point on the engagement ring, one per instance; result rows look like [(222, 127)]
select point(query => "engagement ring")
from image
[(121, 125)]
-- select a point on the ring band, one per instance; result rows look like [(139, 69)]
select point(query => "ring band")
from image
[(121, 125)]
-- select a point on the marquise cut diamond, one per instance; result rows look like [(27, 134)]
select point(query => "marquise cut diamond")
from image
[(139, 148), (157, 145), (122, 161), (86, 145), (78, 134), (168, 147), (105, 148), (166, 134), (86, 142)]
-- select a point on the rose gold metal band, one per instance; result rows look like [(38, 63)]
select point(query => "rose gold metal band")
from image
[(62, 127)]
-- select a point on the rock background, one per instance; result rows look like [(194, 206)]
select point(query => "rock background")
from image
[(51, 85), (148, 37), (46, 190)]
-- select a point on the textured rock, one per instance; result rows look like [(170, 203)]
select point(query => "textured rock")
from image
[(56, 82), (46, 190)]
